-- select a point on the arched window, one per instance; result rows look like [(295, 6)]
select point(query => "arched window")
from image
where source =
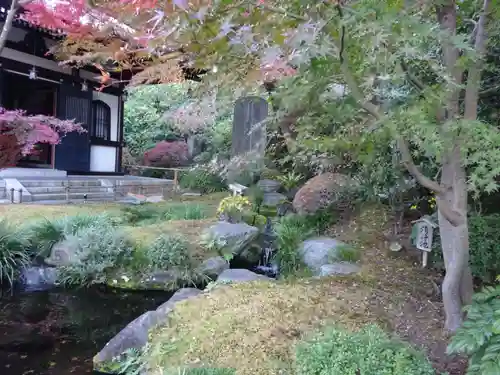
[(101, 122)]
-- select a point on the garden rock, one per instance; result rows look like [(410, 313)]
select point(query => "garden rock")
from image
[(180, 295), (317, 252), (320, 192), (273, 199), (269, 186), (63, 254), (135, 334), (236, 275), (38, 278), (340, 268), (160, 280), (235, 237), (155, 199), (138, 198), (213, 267)]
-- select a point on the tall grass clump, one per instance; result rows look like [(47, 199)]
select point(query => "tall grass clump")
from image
[(202, 179), (44, 234), (369, 351), (96, 251), (13, 252), (150, 213), (168, 251), (185, 211), (171, 253), (290, 231)]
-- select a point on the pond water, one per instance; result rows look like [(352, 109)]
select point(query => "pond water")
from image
[(57, 331)]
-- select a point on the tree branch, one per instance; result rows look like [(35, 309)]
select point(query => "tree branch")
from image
[(413, 80), (413, 169), (474, 73), (373, 110), (455, 218)]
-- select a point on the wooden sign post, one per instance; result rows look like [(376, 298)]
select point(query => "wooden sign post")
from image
[(424, 235)]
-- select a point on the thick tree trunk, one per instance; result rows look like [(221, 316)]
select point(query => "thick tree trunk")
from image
[(457, 285)]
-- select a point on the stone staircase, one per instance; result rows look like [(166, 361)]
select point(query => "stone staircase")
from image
[(3, 192), (65, 190), (77, 189)]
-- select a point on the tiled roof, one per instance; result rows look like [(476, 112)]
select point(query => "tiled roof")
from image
[(18, 21)]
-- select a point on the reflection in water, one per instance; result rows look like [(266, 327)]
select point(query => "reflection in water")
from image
[(57, 332)]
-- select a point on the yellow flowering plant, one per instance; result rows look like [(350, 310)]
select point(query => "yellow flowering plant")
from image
[(431, 201), (233, 207)]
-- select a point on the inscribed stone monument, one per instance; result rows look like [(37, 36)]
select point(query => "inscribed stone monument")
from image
[(249, 129)]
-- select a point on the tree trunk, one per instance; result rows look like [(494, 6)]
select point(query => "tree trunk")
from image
[(457, 285)]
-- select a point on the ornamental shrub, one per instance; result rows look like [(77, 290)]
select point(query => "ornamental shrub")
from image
[(368, 352), (19, 133), (10, 150), (99, 250), (479, 336), (167, 252), (484, 247), (202, 179), (167, 155)]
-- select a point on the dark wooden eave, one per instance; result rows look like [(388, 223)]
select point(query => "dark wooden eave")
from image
[(112, 67)]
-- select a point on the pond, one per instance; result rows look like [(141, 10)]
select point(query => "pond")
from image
[(57, 331)]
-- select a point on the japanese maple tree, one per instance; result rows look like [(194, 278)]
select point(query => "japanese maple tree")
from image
[(412, 72), (20, 133)]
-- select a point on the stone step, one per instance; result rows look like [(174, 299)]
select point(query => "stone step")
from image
[(50, 183), (3, 192), (72, 197), (34, 190)]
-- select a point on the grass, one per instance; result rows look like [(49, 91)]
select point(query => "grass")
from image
[(13, 254), (151, 213), (23, 213), (41, 226), (256, 327)]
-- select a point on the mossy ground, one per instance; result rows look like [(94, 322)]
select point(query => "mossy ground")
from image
[(254, 327)]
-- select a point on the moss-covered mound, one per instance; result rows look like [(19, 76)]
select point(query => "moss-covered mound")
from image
[(254, 327)]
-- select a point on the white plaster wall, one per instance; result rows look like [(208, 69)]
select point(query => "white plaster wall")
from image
[(102, 158), (113, 102)]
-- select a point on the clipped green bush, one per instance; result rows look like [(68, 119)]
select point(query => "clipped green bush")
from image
[(168, 251), (99, 250), (202, 179), (479, 336), (368, 352), (254, 219), (14, 253), (270, 174), (484, 247)]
